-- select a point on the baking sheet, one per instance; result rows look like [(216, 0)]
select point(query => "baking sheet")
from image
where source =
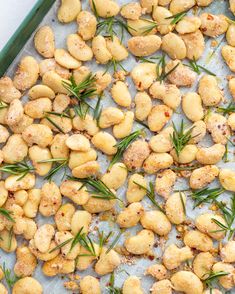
[(139, 265)]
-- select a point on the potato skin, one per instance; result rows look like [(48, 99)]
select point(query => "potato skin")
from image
[(27, 73), (213, 25), (107, 262), (144, 45), (202, 264), (27, 284), (174, 46), (68, 10), (131, 284), (202, 176), (135, 154), (44, 42), (86, 25), (205, 224), (187, 282), (90, 285), (227, 179), (195, 44), (141, 243), (156, 221)]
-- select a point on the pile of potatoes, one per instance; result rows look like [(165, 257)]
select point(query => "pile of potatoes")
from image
[(26, 134)]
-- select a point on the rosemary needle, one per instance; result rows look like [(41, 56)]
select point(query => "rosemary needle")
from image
[(182, 202), (149, 28), (176, 17), (103, 239), (76, 239), (54, 124), (60, 163), (115, 65), (161, 69), (3, 105), (98, 110), (10, 238), (87, 243), (197, 67), (114, 242), (111, 287), (61, 245)]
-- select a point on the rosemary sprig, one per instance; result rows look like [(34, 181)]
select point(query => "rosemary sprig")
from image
[(81, 92), (149, 60), (176, 17), (87, 243), (76, 239), (180, 137), (229, 217), (148, 28), (3, 105), (10, 238), (115, 65), (198, 68), (228, 109), (97, 110), (19, 168), (114, 242), (161, 69), (63, 164), (143, 124), (107, 25), (62, 114), (123, 144), (81, 110), (213, 277), (161, 66), (103, 239), (10, 278), (111, 287), (7, 214), (61, 245), (98, 188), (150, 194), (54, 124), (206, 195)]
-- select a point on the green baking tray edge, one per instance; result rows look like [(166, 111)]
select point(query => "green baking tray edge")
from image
[(23, 33)]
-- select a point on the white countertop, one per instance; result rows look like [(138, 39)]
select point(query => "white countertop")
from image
[(12, 13)]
